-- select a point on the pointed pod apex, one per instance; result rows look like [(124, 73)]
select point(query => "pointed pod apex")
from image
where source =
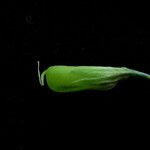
[(40, 76)]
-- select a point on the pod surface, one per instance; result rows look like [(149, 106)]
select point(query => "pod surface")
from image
[(78, 78)]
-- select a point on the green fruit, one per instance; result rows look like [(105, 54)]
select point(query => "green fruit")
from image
[(78, 78)]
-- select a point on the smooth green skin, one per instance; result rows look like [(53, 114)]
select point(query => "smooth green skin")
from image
[(72, 78)]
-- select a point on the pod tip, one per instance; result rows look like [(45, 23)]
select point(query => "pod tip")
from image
[(40, 76)]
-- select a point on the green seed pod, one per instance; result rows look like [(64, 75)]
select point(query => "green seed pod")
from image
[(78, 78)]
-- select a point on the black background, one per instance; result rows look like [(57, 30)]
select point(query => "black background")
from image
[(68, 33)]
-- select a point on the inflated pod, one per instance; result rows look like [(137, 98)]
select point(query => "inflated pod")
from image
[(78, 78)]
